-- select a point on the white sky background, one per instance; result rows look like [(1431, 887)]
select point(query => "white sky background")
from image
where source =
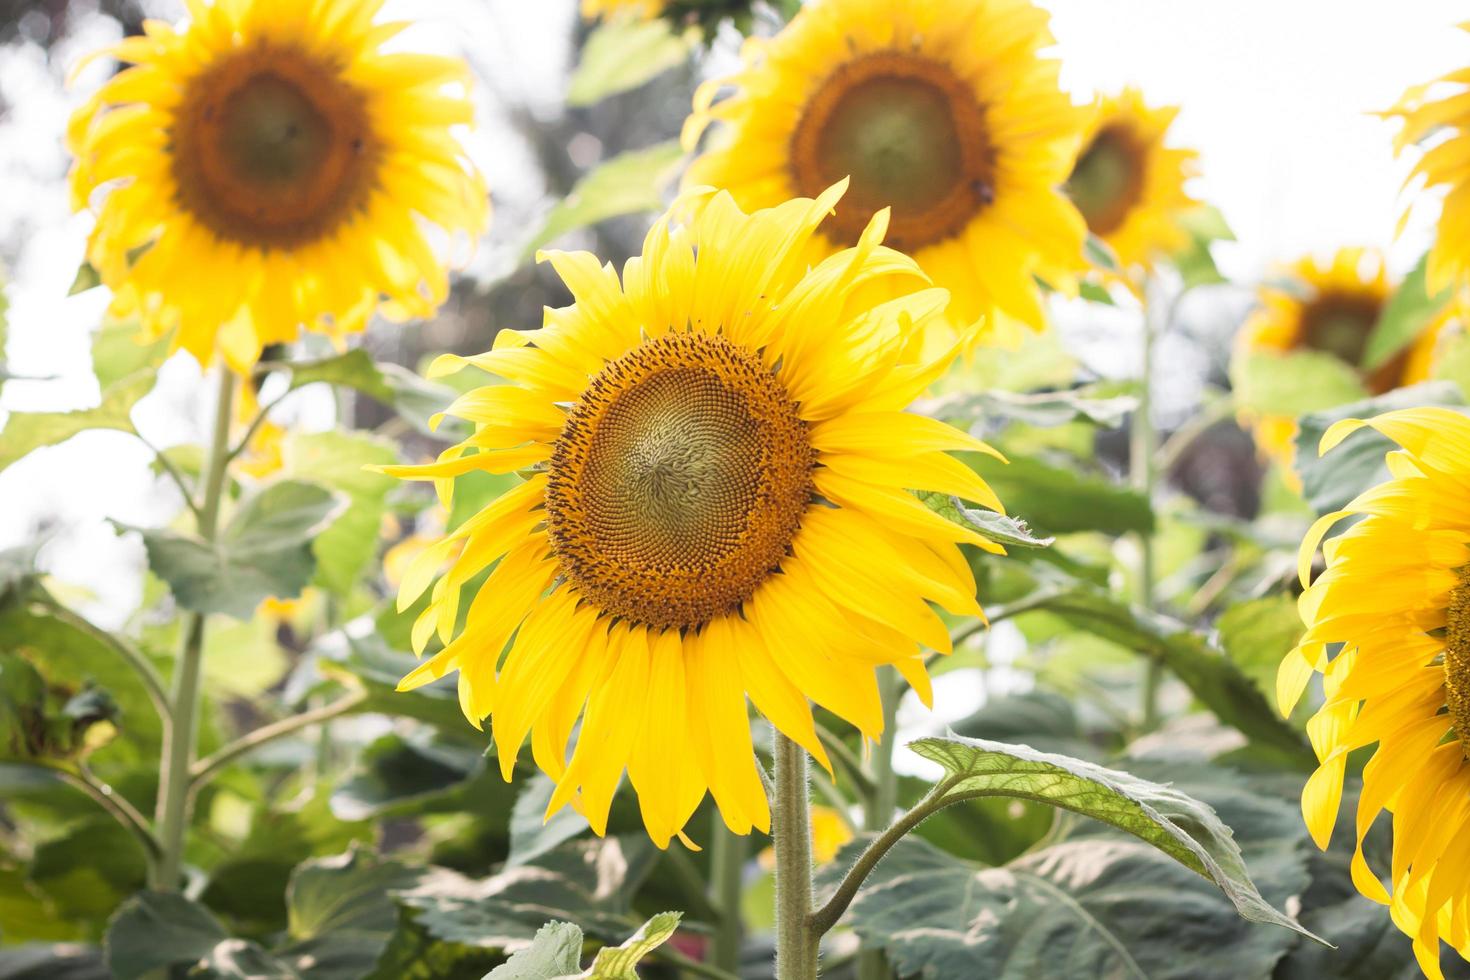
[(1276, 96)]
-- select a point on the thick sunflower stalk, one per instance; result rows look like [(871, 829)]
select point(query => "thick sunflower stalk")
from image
[(175, 789)]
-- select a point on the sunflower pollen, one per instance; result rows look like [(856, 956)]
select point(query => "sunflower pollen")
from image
[(910, 134), (678, 482), (1457, 659), (272, 149)]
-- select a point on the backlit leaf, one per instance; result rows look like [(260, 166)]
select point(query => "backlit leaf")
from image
[(1404, 317), (265, 550), (412, 397), (27, 431), (1294, 383), (1009, 531), (339, 461), (1178, 825), (630, 183), (623, 53)]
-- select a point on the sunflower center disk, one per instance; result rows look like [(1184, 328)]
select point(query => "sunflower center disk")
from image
[(1340, 325), (272, 149), (1457, 660), (1107, 182), (910, 135), (271, 133), (678, 482)]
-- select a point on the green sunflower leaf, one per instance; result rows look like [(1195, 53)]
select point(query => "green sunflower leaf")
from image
[(118, 352), (589, 882), (88, 871), (87, 278), (342, 917), (370, 663), (1061, 499), (1003, 530), (1207, 224), (1101, 254), (1094, 293), (623, 53), (265, 550), (1174, 823), (1091, 901), (1195, 263), (28, 431), (92, 702), (1211, 676), (342, 913), (1257, 633), (621, 962), (1330, 481), (556, 953), (1294, 383), (157, 930), (1404, 317), (339, 461), (18, 571), (630, 183), (406, 775), (415, 399)]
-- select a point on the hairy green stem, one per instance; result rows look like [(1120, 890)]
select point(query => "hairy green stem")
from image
[(727, 868), (1143, 447), (822, 920), (147, 673), (796, 942), (114, 803), (178, 748), (207, 768), (1039, 599), (260, 418)]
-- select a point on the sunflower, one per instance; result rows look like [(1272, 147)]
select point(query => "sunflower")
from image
[(941, 109), (1331, 308), (1128, 185), (1444, 122), (1394, 605), (268, 167), (717, 505)]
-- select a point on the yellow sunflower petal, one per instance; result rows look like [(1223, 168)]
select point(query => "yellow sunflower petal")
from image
[(1388, 627)]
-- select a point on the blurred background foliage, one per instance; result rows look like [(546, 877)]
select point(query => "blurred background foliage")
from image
[(382, 842)]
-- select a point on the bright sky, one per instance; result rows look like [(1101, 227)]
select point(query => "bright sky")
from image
[(1276, 96)]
